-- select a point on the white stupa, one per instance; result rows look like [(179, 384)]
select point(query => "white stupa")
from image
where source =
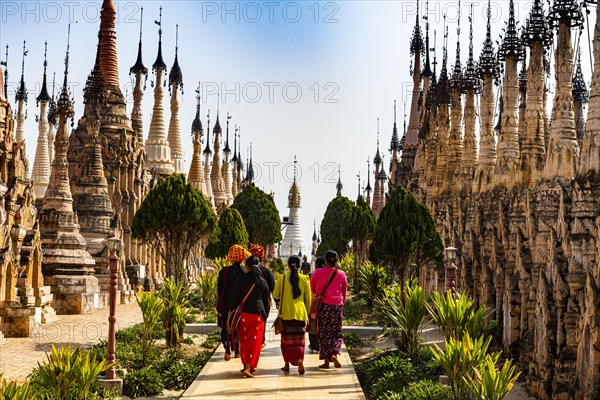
[(293, 242)]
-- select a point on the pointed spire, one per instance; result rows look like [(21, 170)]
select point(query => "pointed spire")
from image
[(107, 44), (457, 75), (403, 139), (44, 96), (4, 93), (498, 126), (207, 149), (536, 28), (511, 45), (196, 123), (226, 149), (159, 63), (52, 105), (359, 191), (368, 188), (22, 91), (377, 158), (416, 42), (314, 236), (427, 68), (444, 83), (580, 90), (240, 162), (339, 185), (395, 143), (235, 135), (64, 106), (472, 81), (175, 76), (568, 11), (250, 168), (294, 194), (139, 65)]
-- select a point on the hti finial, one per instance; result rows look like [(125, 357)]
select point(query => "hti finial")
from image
[(295, 168), (22, 92)]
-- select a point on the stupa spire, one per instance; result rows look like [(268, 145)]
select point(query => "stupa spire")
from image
[(234, 167), (175, 86), (339, 186), (196, 174), (293, 240), (563, 149), (455, 142), (472, 86), (4, 88), (138, 69), (157, 146), (51, 122), (427, 67), (368, 188), (40, 175), (226, 168), (580, 97), (536, 36), (21, 99), (207, 170), (107, 45)]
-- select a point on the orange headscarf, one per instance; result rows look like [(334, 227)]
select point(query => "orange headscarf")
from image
[(237, 254), (257, 250)]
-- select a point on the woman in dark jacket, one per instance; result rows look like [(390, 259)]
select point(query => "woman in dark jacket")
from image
[(253, 294)]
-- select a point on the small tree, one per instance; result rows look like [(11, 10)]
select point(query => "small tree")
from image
[(260, 215), (232, 230), (405, 234), (361, 228), (173, 218), (335, 227)]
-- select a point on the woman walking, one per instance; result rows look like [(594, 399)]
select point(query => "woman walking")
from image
[(253, 298), (330, 283), (293, 292), (313, 339)]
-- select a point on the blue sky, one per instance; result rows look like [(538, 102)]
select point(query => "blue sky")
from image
[(302, 78)]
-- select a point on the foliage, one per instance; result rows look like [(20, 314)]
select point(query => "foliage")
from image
[(374, 279), (145, 382), (404, 307), (459, 358), (180, 375), (422, 390), (232, 230), (173, 218), (352, 340), (349, 264), (14, 391), (200, 359), (67, 374), (405, 233), (277, 266), (457, 314), (152, 308), (489, 382), (389, 373), (175, 298), (206, 292), (213, 339), (361, 228), (260, 215), (358, 312), (335, 226)]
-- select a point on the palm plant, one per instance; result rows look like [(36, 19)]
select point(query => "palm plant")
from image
[(489, 382), (14, 391), (373, 280), (175, 298), (458, 359), (404, 307), (456, 315), (206, 284), (152, 307)]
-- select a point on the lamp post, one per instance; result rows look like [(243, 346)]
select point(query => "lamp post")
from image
[(114, 246), (450, 255)]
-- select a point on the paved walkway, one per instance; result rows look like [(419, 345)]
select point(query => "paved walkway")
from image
[(18, 356), (222, 379)]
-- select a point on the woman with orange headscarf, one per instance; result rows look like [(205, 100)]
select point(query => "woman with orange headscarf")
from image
[(227, 297)]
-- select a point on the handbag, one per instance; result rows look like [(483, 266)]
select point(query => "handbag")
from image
[(278, 324), (235, 315), (312, 326)]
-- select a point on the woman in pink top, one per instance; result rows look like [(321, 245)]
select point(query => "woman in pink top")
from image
[(331, 284)]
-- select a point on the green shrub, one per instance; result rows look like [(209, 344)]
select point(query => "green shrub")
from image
[(68, 374), (352, 340), (152, 308), (130, 356), (423, 390), (213, 339), (369, 373), (145, 382), (206, 293), (373, 280), (200, 359), (175, 298), (14, 391), (349, 265), (188, 340), (180, 376), (277, 267)]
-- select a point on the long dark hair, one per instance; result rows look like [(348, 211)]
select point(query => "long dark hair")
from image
[(294, 263), (320, 262), (331, 258), (252, 263)]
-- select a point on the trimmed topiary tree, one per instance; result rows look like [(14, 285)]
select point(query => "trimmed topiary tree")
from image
[(232, 230), (173, 218), (336, 226), (405, 234), (260, 215), (362, 228)]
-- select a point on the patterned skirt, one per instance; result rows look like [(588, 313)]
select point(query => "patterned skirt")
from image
[(250, 333), (330, 330), (293, 341)]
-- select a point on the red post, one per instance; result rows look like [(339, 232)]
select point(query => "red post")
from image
[(451, 277), (113, 264)]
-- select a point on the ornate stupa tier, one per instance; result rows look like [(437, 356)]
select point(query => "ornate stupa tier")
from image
[(157, 147), (196, 174), (40, 175), (293, 241), (107, 45), (176, 85), (216, 176), (226, 168)]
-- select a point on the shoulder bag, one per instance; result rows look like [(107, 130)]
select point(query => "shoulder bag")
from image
[(235, 315), (278, 324), (312, 326)]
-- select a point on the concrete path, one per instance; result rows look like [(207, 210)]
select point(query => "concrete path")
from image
[(222, 379), (18, 356)]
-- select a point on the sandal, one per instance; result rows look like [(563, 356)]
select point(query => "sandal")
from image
[(336, 363)]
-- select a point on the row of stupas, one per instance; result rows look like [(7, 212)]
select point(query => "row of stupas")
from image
[(87, 184), (519, 200)]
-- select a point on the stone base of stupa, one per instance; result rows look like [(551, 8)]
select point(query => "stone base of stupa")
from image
[(74, 294)]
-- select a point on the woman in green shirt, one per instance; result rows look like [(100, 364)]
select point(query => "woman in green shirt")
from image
[(292, 291)]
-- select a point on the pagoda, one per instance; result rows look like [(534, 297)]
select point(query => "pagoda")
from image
[(293, 241)]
